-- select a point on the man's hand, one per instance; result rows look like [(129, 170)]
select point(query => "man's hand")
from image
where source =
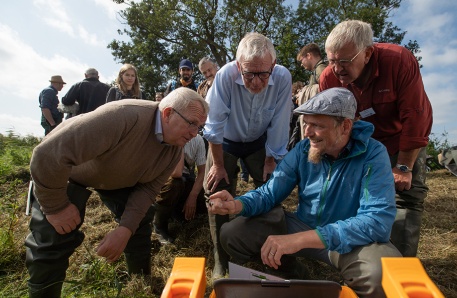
[(402, 180), (268, 167), (113, 244), (278, 245), (223, 203), (215, 175), (190, 206), (66, 220)]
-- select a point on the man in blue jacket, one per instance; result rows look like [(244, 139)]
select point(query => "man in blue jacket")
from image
[(346, 204)]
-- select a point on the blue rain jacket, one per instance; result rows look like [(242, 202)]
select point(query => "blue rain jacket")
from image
[(350, 203)]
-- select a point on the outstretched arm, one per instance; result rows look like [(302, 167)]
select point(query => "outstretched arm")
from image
[(223, 203)]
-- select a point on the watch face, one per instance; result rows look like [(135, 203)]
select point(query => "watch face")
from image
[(403, 168)]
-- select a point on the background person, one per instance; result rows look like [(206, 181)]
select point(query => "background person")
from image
[(311, 59), (90, 93), (50, 115), (159, 96), (182, 195), (208, 67), (185, 70), (127, 85)]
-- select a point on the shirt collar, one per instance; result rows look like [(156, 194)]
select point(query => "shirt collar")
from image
[(158, 129), (343, 153)]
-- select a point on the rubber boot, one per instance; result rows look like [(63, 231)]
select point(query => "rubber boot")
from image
[(51, 291), (138, 263), (47, 252), (406, 231), (220, 256), (160, 222)]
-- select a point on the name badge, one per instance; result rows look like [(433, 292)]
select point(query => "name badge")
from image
[(367, 113)]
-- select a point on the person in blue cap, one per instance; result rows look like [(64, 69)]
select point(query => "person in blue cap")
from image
[(346, 201), (186, 69)]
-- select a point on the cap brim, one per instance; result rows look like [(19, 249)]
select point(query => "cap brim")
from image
[(301, 111)]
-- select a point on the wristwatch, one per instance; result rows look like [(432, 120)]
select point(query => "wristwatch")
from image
[(403, 168)]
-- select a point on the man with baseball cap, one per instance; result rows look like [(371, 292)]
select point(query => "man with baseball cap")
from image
[(186, 69), (50, 115), (346, 204)]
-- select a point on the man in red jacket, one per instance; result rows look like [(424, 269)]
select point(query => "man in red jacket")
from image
[(387, 84)]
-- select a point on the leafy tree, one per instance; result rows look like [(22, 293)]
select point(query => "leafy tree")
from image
[(162, 32)]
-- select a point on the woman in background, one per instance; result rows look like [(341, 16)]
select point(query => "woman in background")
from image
[(127, 85)]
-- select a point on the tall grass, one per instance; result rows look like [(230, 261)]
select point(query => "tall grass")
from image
[(15, 153)]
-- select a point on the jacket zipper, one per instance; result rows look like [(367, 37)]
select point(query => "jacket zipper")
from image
[(367, 181), (323, 196)]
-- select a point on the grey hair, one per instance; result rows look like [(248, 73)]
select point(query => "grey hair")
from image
[(91, 72), (180, 99), (206, 60), (253, 45), (353, 32)]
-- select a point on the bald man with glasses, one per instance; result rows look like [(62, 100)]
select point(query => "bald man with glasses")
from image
[(386, 81), (249, 120)]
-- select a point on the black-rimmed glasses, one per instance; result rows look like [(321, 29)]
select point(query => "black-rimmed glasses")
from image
[(263, 75), (192, 125)]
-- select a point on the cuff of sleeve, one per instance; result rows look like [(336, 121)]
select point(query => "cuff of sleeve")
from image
[(322, 238), (242, 212), (411, 143)]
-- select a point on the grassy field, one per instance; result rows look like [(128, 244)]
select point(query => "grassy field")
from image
[(91, 276)]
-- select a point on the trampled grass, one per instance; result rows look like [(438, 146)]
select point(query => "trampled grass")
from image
[(90, 276)]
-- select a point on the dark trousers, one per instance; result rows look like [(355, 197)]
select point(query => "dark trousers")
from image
[(410, 205), (361, 269), (174, 194), (47, 252), (254, 164)]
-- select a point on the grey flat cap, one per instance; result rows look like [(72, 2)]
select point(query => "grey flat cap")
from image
[(338, 102)]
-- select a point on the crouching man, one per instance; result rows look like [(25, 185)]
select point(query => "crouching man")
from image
[(125, 150), (346, 204)]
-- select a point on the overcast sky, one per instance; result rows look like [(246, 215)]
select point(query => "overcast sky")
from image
[(41, 38)]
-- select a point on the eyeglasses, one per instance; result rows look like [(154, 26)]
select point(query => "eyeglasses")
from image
[(343, 62), (263, 75), (303, 58), (192, 126)]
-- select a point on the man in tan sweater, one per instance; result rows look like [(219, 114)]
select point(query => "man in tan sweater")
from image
[(125, 150)]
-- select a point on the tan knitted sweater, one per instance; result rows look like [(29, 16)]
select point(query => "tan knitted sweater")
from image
[(113, 147)]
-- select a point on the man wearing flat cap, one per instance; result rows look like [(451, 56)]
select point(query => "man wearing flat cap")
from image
[(50, 115), (186, 69), (346, 204)]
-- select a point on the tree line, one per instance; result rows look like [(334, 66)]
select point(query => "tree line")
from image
[(162, 32)]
